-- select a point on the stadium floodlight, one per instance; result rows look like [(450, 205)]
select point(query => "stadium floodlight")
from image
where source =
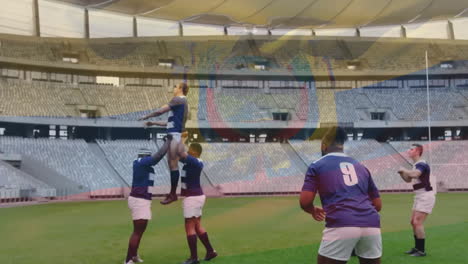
[(446, 65), (260, 67), (166, 63), (353, 65)]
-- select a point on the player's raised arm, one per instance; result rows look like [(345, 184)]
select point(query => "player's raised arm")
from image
[(155, 123), (164, 109), (181, 152), (157, 156)]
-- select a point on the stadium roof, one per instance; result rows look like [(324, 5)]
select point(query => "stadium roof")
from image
[(288, 13)]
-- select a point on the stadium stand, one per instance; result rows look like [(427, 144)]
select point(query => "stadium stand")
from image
[(237, 105), (449, 160), (304, 55), (464, 92), (124, 54), (122, 153), (34, 49), (262, 168), (443, 152), (308, 150), (14, 181), (381, 160), (210, 54), (197, 103), (342, 105), (301, 102), (49, 99), (411, 104), (71, 158), (125, 103), (410, 54), (46, 99), (128, 103)]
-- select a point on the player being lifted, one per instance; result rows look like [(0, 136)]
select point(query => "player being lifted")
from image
[(350, 200), (178, 112), (424, 198)]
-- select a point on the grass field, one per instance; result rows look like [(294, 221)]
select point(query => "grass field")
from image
[(242, 230)]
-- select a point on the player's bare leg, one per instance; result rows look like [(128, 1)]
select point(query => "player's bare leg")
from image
[(417, 222), (173, 163), (369, 261), (190, 230), (324, 260), (412, 250), (203, 236), (139, 227)]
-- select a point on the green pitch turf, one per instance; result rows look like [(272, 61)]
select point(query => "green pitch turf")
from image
[(243, 231)]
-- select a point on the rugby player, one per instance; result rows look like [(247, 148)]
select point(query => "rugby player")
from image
[(175, 125), (350, 200), (424, 198), (194, 200)]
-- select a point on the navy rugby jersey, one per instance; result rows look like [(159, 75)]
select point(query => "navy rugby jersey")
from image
[(143, 177), (423, 181), (190, 178), (346, 189), (177, 115)]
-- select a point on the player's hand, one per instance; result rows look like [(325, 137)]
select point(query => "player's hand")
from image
[(401, 170), (147, 124), (318, 214), (167, 137), (405, 178)]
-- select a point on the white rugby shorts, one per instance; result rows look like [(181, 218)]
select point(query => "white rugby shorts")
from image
[(140, 208), (424, 201), (338, 243), (193, 206), (176, 136)]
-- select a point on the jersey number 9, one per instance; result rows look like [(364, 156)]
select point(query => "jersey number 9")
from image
[(349, 173)]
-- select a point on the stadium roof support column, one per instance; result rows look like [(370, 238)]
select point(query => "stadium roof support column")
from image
[(181, 29), (402, 32), (135, 27), (86, 23), (225, 31), (358, 32), (36, 21), (450, 32)]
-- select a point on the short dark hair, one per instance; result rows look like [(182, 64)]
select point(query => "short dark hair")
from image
[(334, 135), (197, 148), (419, 147), (185, 88)]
